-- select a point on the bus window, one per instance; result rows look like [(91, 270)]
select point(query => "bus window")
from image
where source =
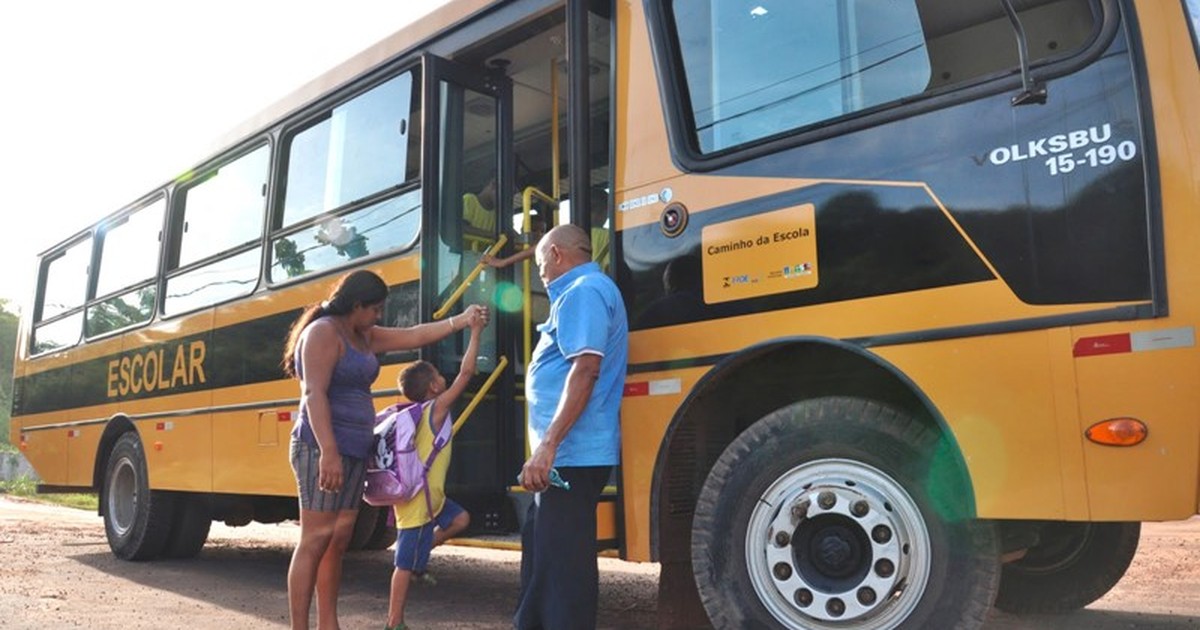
[(358, 150), (831, 58), (225, 209), (388, 225), (66, 280), (64, 290), (125, 261), (215, 282), (1193, 9), (222, 212)]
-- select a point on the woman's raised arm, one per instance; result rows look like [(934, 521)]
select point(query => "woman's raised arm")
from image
[(388, 339)]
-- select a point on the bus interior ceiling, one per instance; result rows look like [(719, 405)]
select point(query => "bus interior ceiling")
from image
[(530, 54), (952, 26)]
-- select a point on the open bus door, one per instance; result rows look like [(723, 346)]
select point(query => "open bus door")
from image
[(466, 174)]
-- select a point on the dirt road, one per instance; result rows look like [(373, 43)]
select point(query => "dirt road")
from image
[(56, 572)]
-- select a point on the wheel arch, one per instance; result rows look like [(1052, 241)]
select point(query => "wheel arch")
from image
[(747, 385), (117, 426)]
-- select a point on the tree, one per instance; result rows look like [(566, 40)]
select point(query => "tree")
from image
[(8, 345)]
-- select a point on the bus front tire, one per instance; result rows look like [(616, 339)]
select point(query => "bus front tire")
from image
[(1073, 565), (839, 511), (137, 520)]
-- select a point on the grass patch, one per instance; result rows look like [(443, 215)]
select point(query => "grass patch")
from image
[(26, 487)]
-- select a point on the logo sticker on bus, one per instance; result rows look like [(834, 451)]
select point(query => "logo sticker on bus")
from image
[(765, 254)]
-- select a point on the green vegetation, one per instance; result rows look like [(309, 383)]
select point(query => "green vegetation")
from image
[(27, 487), (8, 345)]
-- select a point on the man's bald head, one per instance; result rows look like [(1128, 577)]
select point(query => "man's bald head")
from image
[(561, 250)]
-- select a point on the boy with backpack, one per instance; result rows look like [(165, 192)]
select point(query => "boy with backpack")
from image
[(429, 518)]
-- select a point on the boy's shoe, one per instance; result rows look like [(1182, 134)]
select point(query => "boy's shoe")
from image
[(399, 626), (425, 578)]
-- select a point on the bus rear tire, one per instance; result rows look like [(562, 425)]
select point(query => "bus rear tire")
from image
[(385, 533), (839, 512), (137, 520), (189, 527), (1073, 565), (364, 527)]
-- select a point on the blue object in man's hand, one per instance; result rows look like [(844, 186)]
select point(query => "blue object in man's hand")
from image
[(556, 480)]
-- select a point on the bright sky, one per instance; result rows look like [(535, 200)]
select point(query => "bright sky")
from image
[(102, 101)]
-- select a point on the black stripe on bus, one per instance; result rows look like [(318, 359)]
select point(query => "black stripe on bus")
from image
[(870, 239), (246, 353)]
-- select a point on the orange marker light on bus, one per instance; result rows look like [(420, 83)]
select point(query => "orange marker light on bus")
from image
[(1118, 432)]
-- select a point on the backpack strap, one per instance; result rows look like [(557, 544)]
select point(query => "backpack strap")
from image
[(440, 440)]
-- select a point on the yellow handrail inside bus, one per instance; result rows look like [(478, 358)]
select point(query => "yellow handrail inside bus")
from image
[(462, 287), (527, 196), (487, 385)]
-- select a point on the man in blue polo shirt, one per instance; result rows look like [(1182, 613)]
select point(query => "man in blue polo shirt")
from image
[(574, 387)]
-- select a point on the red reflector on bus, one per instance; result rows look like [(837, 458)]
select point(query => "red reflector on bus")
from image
[(637, 389), (284, 416), (1104, 344), (158, 446), (1118, 432)]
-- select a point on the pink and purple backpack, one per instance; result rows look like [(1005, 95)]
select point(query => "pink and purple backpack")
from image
[(395, 471)]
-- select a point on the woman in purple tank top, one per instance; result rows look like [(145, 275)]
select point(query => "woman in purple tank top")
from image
[(331, 350)]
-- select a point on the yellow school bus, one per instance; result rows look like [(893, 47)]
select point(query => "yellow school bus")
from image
[(909, 285)]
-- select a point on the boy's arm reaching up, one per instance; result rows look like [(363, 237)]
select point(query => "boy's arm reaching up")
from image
[(445, 401), (506, 261)]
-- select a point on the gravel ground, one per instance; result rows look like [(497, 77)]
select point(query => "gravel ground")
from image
[(56, 571)]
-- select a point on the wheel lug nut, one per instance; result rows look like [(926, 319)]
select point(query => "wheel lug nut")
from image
[(782, 570), (835, 607), (800, 511), (860, 508), (782, 539), (884, 568), (866, 596), (803, 597), (826, 500), (881, 534)]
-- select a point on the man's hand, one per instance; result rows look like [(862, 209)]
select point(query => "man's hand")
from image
[(535, 474)]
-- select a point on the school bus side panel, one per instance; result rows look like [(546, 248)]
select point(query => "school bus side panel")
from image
[(251, 399), (1173, 85), (166, 366), (1156, 385), (999, 397), (85, 424)]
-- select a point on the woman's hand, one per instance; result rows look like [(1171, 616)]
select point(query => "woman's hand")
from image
[(477, 315), (330, 478)]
